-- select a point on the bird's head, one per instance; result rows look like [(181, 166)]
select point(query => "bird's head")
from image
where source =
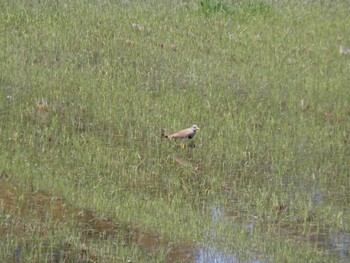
[(195, 127)]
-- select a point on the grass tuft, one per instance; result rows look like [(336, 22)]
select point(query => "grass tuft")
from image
[(239, 9)]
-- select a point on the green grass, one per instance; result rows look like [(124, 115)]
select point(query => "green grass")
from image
[(264, 81)]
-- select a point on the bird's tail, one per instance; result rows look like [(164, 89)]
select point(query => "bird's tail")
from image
[(164, 133)]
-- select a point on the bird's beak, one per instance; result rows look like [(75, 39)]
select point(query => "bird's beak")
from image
[(197, 129)]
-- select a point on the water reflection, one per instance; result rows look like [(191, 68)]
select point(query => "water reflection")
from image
[(333, 244), (211, 254), (339, 243), (219, 252)]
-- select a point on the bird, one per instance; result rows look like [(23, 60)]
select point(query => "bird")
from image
[(188, 133)]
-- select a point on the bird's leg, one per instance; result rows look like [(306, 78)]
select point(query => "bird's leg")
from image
[(191, 144)]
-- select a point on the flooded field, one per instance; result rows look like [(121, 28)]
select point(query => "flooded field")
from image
[(40, 207), (336, 245), (88, 89)]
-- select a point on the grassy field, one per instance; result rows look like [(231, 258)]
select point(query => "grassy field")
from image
[(87, 86)]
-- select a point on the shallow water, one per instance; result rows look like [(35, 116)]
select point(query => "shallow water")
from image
[(215, 249), (91, 227), (335, 244), (211, 254)]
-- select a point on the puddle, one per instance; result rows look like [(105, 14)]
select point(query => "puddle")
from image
[(334, 244), (94, 228), (218, 252), (36, 204), (211, 254)]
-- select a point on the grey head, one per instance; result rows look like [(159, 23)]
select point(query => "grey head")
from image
[(195, 128)]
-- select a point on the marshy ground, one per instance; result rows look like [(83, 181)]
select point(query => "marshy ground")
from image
[(86, 86)]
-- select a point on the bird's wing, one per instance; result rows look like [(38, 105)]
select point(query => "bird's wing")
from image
[(181, 134)]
